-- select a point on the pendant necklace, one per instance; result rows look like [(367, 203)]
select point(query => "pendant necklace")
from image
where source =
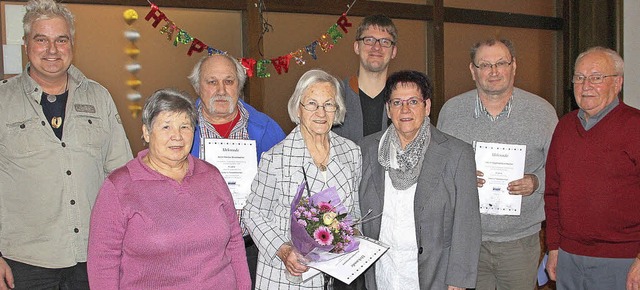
[(53, 98), (321, 164), (56, 122)]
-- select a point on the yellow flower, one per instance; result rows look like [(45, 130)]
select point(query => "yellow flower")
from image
[(328, 218)]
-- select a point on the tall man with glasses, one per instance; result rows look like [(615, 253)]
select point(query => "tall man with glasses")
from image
[(497, 112), (375, 45), (592, 196)]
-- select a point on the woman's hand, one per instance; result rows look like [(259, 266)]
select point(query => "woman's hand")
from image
[(292, 259)]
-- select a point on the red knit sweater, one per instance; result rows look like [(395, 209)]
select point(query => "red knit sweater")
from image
[(592, 193)]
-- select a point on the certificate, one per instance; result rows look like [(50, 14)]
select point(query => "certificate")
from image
[(501, 164), (236, 160), (349, 266)]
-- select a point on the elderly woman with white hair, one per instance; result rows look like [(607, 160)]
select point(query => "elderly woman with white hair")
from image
[(328, 160)]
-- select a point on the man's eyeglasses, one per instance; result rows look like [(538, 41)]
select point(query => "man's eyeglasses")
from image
[(594, 79), (312, 106), (488, 66), (371, 41), (398, 103)]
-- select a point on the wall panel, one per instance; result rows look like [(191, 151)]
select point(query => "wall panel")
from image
[(536, 54)]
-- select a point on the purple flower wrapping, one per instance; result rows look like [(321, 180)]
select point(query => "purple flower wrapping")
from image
[(307, 212)]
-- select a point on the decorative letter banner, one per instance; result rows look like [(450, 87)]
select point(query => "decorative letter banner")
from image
[(252, 66), (156, 17)]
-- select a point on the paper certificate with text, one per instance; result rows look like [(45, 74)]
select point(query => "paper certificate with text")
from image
[(236, 160), (349, 266), (501, 164)]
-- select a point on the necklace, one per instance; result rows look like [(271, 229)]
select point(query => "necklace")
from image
[(322, 165), (231, 125), (53, 98), (56, 122), (225, 129)]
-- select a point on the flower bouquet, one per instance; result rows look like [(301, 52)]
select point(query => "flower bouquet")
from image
[(321, 227)]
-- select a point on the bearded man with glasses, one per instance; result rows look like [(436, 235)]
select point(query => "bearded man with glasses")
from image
[(498, 112), (375, 45)]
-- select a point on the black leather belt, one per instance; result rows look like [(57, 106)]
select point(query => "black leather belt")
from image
[(248, 242)]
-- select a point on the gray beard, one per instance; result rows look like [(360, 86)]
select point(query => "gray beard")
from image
[(212, 103)]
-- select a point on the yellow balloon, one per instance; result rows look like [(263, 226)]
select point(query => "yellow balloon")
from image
[(130, 16), (134, 83), (132, 51), (135, 110)]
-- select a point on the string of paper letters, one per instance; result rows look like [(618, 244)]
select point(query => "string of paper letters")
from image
[(258, 67)]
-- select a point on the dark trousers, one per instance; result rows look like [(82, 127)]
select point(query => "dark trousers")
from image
[(252, 258), (36, 278), (357, 284)]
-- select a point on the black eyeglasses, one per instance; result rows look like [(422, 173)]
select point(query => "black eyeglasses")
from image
[(371, 41), (488, 65)]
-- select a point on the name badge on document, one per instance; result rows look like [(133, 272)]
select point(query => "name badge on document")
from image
[(236, 160)]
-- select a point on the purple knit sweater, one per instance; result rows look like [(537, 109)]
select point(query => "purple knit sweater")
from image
[(150, 232)]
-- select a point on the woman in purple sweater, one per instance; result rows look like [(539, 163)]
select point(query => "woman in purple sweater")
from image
[(166, 220)]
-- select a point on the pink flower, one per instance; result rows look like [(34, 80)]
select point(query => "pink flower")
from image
[(325, 206), (323, 236)]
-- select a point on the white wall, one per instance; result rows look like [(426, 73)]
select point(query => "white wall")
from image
[(632, 53)]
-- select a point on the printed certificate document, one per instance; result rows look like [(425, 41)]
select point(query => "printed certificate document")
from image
[(236, 160), (500, 163), (348, 267)]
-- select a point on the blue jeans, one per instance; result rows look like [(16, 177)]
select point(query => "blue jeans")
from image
[(36, 278)]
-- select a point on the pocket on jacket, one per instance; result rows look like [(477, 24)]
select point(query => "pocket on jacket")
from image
[(24, 137)]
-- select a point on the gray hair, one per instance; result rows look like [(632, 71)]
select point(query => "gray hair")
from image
[(492, 42), (379, 21), (46, 9), (612, 54), (168, 100), (306, 80), (194, 77)]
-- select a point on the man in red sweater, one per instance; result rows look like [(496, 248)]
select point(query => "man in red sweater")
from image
[(592, 195)]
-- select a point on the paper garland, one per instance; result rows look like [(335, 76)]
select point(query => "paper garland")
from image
[(326, 41), (133, 67)]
